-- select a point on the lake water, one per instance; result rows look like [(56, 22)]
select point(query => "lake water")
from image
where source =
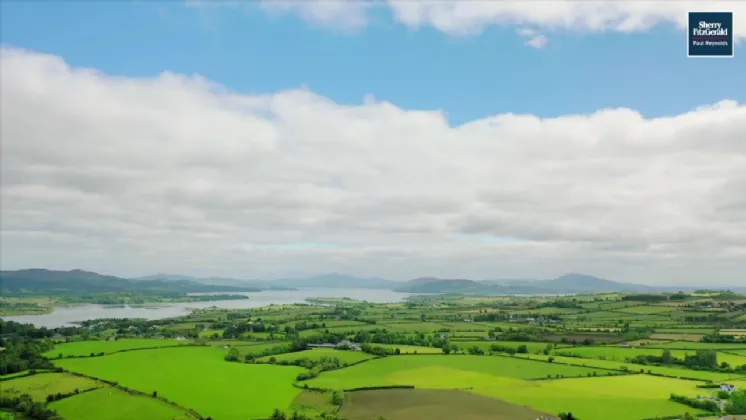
[(66, 316)]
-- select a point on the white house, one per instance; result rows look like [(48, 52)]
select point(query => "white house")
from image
[(728, 388)]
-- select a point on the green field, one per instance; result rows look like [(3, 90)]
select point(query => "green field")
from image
[(674, 372), (257, 349), (685, 330), (198, 378), (430, 404), (85, 348), (404, 349), (585, 371), (40, 385), (687, 345), (112, 404), (646, 310), (487, 344), (608, 398), (440, 371), (344, 356), (548, 311)]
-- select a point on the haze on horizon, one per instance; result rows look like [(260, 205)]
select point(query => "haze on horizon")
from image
[(132, 172)]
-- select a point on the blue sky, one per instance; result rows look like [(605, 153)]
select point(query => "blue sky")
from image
[(469, 76), (159, 174)]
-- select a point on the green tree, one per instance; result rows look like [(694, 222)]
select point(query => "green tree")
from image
[(737, 403), (338, 398), (232, 355), (666, 357)]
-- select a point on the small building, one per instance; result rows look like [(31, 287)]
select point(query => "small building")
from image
[(728, 388)]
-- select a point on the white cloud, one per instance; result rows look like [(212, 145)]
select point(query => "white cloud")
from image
[(535, 39), (175, 173), (472, 16)]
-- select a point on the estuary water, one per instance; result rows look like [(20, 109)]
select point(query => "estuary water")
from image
[(68, 315)]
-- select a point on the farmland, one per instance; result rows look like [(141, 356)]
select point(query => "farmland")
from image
[(84, 348), (465, 357), (174, 372), (112, 404), (348, 357), (40, 385), (405, 404)]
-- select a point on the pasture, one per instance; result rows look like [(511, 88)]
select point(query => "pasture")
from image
[(430, 404), (608, 398), (676, 337), (673, 372), (487, 344), (40, 385), (112, 404), (344, 356), (646, 310), (441, 371), (404, 349), (197, 378), (85, 348), (687, 345)]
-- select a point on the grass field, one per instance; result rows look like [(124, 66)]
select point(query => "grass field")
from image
[(344, 356), (630, 397), (632, 367), (257, 349), (198, 378), (312, 403), (436, 371), (404, 349), (112, 404), (40, 385), (734, 332), (605, 306), (430, 404), (677, 337), (687, 345), (412, 327), (646, 310), (548, 311), (485, 345), (85, 348), (685, 330)]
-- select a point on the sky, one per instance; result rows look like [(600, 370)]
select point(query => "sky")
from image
[(467, 139)]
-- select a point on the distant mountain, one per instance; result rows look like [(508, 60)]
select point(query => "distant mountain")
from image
[(583, 283), (42, 281), (435, 285), (566, 284), (215, 281), (337, 281)]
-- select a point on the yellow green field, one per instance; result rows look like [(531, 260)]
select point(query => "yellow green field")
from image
[(85, 348), (40, 385), (197, 378), (609, 398), (436, 371), (112, 404), (344, 356)]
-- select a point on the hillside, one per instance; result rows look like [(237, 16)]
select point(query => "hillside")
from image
[(54, 282)]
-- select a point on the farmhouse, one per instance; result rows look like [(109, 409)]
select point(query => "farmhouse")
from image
[(728, 388), (343, 343)]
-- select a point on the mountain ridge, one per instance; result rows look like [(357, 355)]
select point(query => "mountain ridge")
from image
[(37, 280)]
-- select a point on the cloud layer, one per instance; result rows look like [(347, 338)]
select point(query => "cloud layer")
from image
[(465, 17), (176, 173)]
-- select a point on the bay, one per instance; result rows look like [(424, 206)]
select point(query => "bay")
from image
[(68, 315)]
